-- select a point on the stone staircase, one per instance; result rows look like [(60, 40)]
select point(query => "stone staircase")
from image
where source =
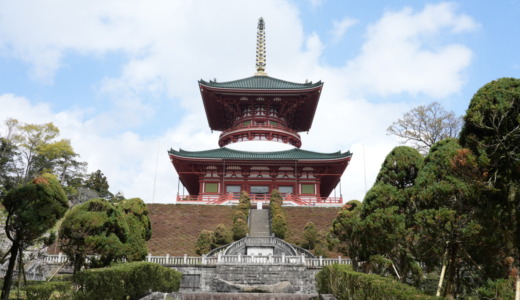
[(259, 223)]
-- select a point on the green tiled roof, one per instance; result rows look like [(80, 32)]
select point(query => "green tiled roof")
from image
[(226, 153), (261, 83)]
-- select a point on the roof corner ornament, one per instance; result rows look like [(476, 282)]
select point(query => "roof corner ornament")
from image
[(260, 49)]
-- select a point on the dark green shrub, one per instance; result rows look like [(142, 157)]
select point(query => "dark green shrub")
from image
[(44, 290), (239, 229), (498, 289), (205, 242), (126, 280), (223, 235), (279, 225), (239, 214), (344, 283)]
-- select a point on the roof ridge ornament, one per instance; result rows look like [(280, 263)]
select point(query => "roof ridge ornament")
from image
[(260, 49)]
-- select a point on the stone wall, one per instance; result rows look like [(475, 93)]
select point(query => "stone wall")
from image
[(204, 278)]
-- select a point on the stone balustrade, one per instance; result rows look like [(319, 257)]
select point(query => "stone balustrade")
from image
[(220, 259)]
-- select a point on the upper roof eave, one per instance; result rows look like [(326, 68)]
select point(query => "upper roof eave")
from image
[(260, 83), (293, 154)]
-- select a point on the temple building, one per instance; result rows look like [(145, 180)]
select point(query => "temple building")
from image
[(260, 108)]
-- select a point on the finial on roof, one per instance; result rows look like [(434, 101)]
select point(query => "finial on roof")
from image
[(260, 48)]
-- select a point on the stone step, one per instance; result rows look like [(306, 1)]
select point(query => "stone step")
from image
[(259, 222), (230, 296)]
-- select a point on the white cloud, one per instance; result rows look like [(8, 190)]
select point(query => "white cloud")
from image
[(169, 45), (340, 28), (398, 55)]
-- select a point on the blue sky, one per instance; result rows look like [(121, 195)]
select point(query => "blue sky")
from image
[(119, 78)]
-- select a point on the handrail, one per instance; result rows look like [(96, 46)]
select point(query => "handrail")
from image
[(296, 199), (317, 262), (256, 126)]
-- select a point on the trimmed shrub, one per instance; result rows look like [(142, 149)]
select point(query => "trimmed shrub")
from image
[(279, 226), (132, 280), (344, 283), (239, 229), (205, 242), (44, 290), (223, 235), (239, 214)]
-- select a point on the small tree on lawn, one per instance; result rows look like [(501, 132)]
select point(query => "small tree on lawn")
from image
[(205, 242), (32, 210), (94, 227)]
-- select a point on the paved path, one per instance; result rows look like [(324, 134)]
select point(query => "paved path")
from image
[(259, 222)]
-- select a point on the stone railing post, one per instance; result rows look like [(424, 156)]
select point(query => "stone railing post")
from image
[(204, 259), (321, 261), (219, 257), (167, 262), (59, 257), (339, 259), (185, 258), (283, 257), (303, 258), (149, 257)]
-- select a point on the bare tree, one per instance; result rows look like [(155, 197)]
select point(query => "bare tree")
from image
[(425, 125)]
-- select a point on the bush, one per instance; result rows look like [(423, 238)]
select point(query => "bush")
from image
[(44, 290), (244, 203), (132, 280), (344, 283), (239, 229), (279, 226), (205, 242), (310, 236), (223, 235), (498, 289)]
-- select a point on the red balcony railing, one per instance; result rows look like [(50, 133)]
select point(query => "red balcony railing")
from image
[(265, 198)]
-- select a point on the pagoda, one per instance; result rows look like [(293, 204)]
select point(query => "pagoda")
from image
[(260, 108)]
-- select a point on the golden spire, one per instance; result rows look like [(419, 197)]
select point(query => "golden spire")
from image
[(260, 48)]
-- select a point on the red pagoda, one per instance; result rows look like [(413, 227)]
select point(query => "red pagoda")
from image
[(260, 108)]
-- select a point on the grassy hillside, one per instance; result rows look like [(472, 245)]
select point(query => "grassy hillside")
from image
[(297, 217), (175, 228)]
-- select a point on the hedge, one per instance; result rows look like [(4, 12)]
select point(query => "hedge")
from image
[(44, 290), (132, 280), (344, 284)]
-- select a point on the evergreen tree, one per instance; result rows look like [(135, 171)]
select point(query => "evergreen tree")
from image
[(32, 210)]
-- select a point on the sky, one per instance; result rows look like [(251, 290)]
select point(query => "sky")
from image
[(119, 78)]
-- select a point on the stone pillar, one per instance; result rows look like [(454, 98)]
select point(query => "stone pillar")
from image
[(185, 258), (167, 259)]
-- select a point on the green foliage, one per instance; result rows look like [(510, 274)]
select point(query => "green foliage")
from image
[(136, 215), (97, 181), (240, 216), (94, 227), (401, 167), (347, 236), (29, 150), (223, 235), (125, 280), (500, 289), (344, 284), (492, 132), (205, 242), (32, 209), (310, 236), (46, 289), (279, 225), (278, 221), (240, 229)]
